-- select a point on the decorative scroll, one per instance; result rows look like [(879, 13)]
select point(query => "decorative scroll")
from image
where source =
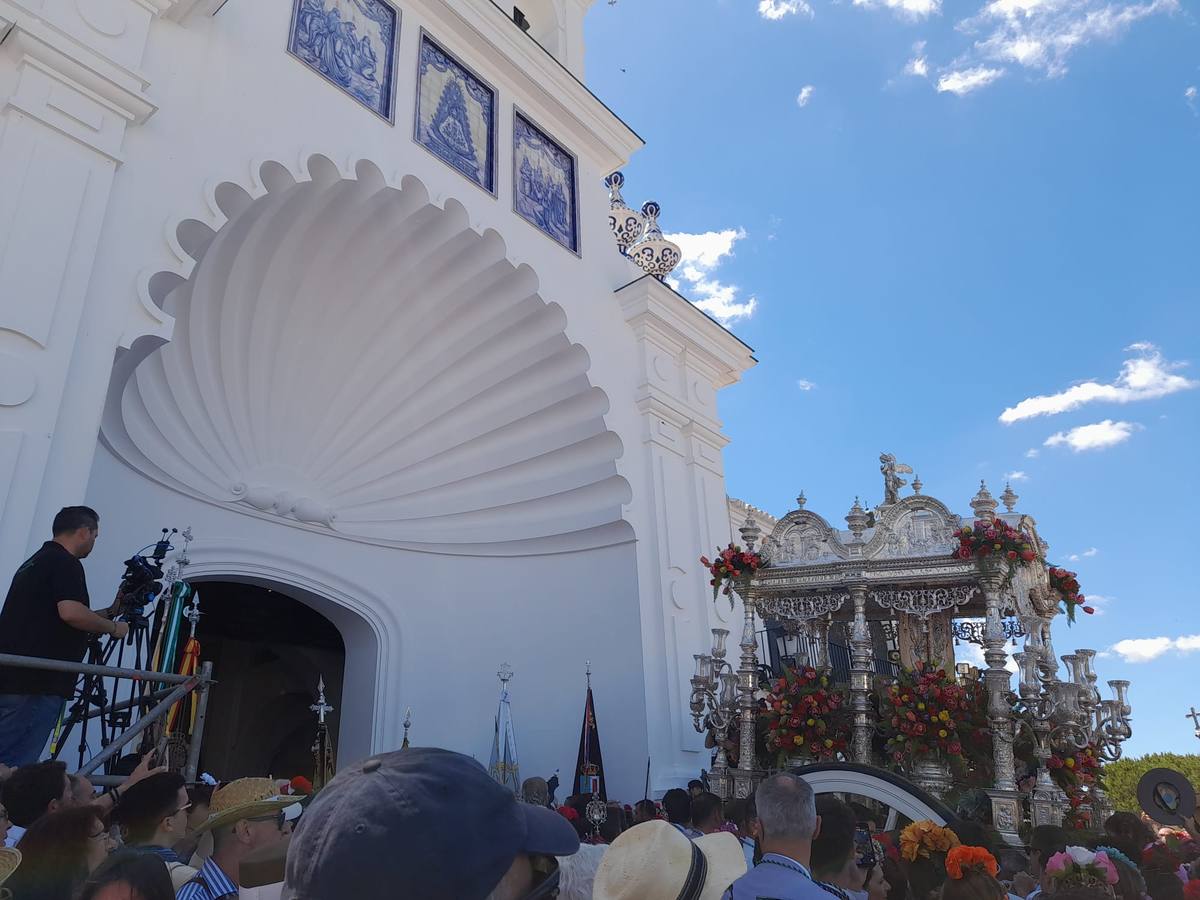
[(813, 606), (924, 602)]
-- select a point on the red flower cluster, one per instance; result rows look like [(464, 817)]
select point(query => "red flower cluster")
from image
[(924, 712), (1076, 773), (301, 785), (804, 714), (995, 537), (730, 563), (1067, 584)]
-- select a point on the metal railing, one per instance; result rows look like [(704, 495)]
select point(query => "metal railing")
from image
[(179, 687), (779, 650)]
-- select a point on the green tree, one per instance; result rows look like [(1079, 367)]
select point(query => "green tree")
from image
[(1121, 777)]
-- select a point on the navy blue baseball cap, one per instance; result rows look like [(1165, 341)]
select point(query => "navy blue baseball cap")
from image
[(422, 823)]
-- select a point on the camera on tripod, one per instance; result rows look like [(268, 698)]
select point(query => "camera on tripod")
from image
[(141, 583)]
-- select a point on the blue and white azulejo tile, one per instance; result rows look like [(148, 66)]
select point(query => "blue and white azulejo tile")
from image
[(456, 115), (544, 183), (353, 44)]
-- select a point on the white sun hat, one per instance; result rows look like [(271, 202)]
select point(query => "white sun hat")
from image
[(654, 861)]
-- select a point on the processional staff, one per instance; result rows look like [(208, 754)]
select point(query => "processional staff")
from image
[(1195, 717)]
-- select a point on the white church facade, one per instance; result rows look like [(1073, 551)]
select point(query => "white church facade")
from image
[(332, 282)]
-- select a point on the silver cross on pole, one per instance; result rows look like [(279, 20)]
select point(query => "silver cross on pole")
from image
[(193, 614), (505, 674), (321, 707), (1195, 717)]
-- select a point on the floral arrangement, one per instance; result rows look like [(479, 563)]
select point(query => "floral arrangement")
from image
[(996, 537), (1077, 773), (961, 860), (923, 838), (1168, 854), (1067, 584), (1080, 866), (805, 714), (728, 564), (300, 785), (922, 713), (1191, 890)]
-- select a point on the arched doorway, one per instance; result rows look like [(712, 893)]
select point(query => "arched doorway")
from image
[(268, 651)]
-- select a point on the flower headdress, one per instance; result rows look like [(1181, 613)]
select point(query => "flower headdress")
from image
[(924, 838), (1080, 866), (961, 861), (1117, 856)]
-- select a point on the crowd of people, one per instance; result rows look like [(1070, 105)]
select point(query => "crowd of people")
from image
[(431, 823)]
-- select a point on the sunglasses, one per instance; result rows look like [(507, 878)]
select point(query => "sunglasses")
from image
[(279, 818)]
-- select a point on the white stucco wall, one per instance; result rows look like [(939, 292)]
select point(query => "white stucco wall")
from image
[(143, 118)]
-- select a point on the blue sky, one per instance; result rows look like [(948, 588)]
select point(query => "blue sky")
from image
[(921, 213)]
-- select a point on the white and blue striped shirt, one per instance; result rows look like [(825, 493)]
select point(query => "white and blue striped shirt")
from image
[(210, 884)]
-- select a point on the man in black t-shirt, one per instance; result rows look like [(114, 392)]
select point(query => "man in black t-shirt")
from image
[(47, 614)]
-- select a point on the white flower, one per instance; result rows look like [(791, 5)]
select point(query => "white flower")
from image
[(1081, 856)]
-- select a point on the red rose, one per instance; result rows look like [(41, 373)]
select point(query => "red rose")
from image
[(1012, 554), (1089, 610), (1027, 555)]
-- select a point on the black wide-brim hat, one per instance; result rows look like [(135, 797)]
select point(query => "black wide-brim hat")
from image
[(425, 822)]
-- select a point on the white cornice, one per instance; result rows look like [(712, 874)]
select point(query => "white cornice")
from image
[(96, 77), (579, 117), (179, 10), (650, 305)]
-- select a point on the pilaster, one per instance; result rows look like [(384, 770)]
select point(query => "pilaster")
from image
[(69, 90), (683, 359)]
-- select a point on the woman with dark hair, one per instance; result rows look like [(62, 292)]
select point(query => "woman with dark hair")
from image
[(971, 875), (1128, 833), (129, 875), (58, 852)]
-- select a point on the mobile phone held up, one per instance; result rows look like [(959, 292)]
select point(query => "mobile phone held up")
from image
[(864, 847)]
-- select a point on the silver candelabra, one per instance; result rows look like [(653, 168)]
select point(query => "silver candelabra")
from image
[(1068, 715)]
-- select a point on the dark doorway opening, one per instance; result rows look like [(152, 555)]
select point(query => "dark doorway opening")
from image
[(268, 651)]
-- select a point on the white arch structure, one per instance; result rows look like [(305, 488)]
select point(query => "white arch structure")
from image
[(898, 795)]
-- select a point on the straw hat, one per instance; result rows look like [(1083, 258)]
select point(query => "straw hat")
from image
[(246, 798), (654, 861), (10, 858)]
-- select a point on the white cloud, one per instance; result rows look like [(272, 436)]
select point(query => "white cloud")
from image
[(1143, 377), (973, 654), (1033, 453), (1042, 34), (805, 385), (1090, 551), (1086, 554), (1093, 437), (918, 65), (1190, 96), (964, 81), (1018, 475), (805, 95), (910, 9), (778, 9), (1140, 650), (702, 256)]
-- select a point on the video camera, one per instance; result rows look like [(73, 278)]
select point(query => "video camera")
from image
[(142, 582)]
